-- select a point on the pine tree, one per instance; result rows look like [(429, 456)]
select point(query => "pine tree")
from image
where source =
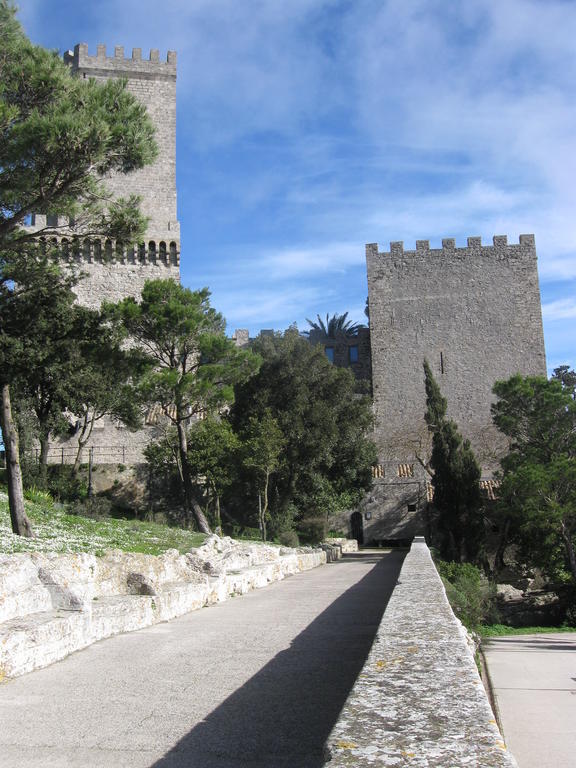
[(59, 136)]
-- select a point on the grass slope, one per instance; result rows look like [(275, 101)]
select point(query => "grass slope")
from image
[(57, 531)]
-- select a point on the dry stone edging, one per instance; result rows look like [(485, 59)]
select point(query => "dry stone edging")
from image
[(52, 605), (418, 700)]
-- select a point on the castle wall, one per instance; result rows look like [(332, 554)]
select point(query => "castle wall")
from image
[(474, 313)]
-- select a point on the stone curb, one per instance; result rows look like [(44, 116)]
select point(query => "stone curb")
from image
[(418, 700)]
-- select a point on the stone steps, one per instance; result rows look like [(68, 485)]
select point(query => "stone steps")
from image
[(89, 597)]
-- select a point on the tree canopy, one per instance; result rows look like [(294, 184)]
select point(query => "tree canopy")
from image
[(59, 136), (326, 456), (334, 326), (193, 366), (538, 489)]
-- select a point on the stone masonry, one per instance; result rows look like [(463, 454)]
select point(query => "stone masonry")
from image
[(474, 313)]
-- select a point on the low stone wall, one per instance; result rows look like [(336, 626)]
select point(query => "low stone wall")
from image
[(52, 605), (347, 546), (419, 700)]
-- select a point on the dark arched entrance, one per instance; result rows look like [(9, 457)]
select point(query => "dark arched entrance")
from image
[(357, 526)]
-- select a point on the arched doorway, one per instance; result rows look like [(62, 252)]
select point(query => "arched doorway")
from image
[(357, 527)]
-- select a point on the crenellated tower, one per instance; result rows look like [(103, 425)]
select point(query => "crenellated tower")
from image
[(111, 270), (474, 313)]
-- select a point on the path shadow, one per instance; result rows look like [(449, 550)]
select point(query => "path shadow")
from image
[(283, 715)]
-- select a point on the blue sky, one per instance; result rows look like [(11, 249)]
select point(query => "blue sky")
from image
[(307, 128)]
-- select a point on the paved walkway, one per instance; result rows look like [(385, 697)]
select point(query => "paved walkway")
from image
[(534, 682), (257, 681)]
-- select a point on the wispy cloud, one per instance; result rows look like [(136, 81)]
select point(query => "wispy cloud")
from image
[(560, 309)]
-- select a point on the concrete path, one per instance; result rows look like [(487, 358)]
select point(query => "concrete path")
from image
[(534, 682), (257, 681)]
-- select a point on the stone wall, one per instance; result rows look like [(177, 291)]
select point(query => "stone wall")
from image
[(418, 700), (52, 605), (474, 313)]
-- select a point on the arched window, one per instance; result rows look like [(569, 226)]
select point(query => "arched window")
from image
[(152, 251), (97, 250), (142, 252), (120, 250), (64, 248), (76, 248), (86, 249), (108, 250), (173, 253), (163, 251)]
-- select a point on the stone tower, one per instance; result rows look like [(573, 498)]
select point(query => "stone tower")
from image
[(474, 313), (112, 273)]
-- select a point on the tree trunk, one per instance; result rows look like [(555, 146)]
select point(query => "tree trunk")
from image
[(191, 503), (43, 461), (261, 518), (20, 523), (83, 437)]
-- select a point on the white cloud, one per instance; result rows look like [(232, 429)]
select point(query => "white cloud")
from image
[(561, 309)]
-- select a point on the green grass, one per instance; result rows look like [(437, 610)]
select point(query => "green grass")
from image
[(57, 531), (500, 630)]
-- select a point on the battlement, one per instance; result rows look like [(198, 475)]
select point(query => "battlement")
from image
[(80, 59), (525, 245)]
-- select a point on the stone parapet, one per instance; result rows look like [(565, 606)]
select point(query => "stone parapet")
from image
[(52, 605), (418, 700)]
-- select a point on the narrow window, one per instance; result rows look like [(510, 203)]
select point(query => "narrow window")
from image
[(411, 507), (442, 362), (329, 353), (353, 354)]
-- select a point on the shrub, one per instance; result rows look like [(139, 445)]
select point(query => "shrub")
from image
[(471, 595), (289, 539)]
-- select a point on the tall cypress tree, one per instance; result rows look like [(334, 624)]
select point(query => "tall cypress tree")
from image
[(456, 481)]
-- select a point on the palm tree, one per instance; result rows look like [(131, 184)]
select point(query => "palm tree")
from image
[(335, 326)]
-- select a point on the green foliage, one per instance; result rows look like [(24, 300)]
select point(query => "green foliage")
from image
[(262, 445), (193, 366), (326, 458), (60, 135), (337, 325), (456, 481), (537, 496), (471, 595), (289, 539)]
